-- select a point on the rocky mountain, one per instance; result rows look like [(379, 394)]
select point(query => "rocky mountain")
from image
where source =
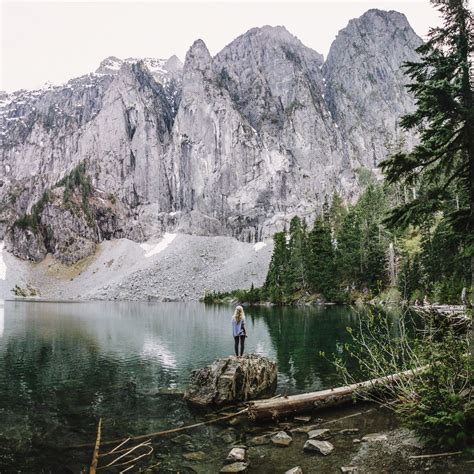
[(228, 145)]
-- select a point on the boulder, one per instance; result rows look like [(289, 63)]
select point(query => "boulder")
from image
[(232, 379), (321, 447)]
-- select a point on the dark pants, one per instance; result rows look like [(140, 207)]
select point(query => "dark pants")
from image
[(242, 344)]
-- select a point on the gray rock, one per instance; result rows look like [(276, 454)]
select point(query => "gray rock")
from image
[(232, 379), (236, 454), (304, 429), (259, 440), (196, 456), (281, 439), (302, 419), (319, 434), (374, 437), (321, 447), (181, 439), (349, 469), (349, 431), (235, 467), (295, 470)]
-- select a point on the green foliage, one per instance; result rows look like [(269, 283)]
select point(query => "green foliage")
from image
[(251, 296), (433, 394), (441, 166), (33, 221), (77, 179), (440, 410), (320, 258)]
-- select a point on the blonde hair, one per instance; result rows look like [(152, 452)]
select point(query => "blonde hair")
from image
[(239, 314)]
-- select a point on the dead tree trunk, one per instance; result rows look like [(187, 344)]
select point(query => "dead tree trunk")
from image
[(283, 407)]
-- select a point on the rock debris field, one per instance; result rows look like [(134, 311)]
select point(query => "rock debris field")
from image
[(175, 267)]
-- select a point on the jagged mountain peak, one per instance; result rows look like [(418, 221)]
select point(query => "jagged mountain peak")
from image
[(163, 70), (380, 23), (198, 58), (110, 65), (174, 64), (234, 144), (269, 37)]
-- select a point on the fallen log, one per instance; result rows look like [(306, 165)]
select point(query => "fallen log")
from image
[(282, 407)]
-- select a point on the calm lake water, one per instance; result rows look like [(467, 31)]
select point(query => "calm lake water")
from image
[(65, 365)]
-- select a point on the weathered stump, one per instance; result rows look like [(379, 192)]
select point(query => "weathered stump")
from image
[(232, 380)]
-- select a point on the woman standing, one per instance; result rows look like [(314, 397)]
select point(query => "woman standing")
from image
[(238, 330)]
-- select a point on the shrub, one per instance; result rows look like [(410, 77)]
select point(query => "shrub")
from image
[(436, 402)]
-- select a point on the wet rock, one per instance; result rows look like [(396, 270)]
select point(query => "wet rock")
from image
[(188, 446), (349, 431), (182, 439), (232, 379), (349, 469), (356, 440), (259, 440), (302, 419), (196, 456), (236, 455), (281, 439), (227, 438), (235, 467), (319, 434), (374, 437), (295, 470), (304, 429), (321, 447)]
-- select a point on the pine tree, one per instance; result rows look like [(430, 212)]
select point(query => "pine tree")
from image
[(274, 283), (321, 269), (444, 116), (348, 252), (337, 212), (296, 277)]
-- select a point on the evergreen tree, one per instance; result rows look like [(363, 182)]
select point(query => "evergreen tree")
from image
[(296, 277), (444, 116), (337, 212), (275, 281), (348, 252), (321, 269)]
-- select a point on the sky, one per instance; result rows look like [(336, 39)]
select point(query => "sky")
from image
[(57, 40)]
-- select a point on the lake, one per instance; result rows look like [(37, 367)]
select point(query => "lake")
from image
[(65, 365)]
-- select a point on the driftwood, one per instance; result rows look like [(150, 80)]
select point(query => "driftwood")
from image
[(436, 455), (95, 454), (159, 433), (282, 407)]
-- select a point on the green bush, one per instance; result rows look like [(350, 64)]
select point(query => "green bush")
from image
[(434, 399)]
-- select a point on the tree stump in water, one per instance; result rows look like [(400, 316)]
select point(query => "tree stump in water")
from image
[(232, 380)]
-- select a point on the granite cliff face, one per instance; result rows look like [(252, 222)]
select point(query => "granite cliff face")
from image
[(365, 86), (230, 145)]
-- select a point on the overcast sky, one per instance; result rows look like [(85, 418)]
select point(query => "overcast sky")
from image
[(57, 40)]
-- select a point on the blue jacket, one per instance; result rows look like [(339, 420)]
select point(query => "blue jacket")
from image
[(238, 327)]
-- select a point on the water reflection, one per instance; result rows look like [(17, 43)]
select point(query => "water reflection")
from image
[(62, 366)]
